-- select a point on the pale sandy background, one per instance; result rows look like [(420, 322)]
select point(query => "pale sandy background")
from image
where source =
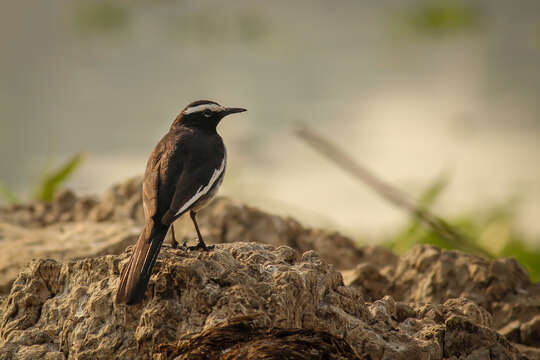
[(406, 104)]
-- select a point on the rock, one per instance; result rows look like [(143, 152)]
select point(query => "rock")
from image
[(530, 332), (368, 278), (73, 227), (241, 300), (61, 241), (501, 286), (419, 296), (241, 339), (532, 353), (427, 274), (65, 207), (122, 201), (226, 221)]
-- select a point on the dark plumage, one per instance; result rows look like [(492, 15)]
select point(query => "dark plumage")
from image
[(182, 174)]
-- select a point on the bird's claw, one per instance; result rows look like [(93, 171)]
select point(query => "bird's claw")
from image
[(201, 246)]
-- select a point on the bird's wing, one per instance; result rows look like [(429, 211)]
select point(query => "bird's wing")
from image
[(193, 184), (162, 170), (150, 187)]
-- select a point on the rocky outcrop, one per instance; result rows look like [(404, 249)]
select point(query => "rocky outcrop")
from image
[(241, 300), (272, 298), (120, 202), (427, 274), (72, 240), (73, 227)]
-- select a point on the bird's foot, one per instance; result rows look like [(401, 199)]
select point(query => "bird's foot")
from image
[(176, 245), (201, 246)]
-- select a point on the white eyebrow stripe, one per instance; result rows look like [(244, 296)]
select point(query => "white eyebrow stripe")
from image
[(203, 190), (203, 107)]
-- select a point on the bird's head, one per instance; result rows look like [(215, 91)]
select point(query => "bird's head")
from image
[(204, 114)]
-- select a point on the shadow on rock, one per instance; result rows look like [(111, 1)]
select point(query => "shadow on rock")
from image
[(242, 339)]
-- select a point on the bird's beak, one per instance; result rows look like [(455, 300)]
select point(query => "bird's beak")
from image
[(231, 110)]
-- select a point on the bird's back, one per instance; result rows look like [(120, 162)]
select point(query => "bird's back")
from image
[(180, 150)]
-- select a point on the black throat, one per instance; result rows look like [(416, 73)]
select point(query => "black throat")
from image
[(208, 126)]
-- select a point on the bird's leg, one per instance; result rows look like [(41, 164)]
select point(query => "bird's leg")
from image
[(174, 243), (201, 244)]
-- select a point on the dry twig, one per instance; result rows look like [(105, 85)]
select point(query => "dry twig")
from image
[(385, 190)]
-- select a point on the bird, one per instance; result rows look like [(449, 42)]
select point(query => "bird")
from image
[(183, 173)]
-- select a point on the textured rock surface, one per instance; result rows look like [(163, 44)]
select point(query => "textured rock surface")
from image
[(427, 274), (501, 286), (120, 202), (65, 310), (416, 301), (71, 240), (72, 227), (240, 338)]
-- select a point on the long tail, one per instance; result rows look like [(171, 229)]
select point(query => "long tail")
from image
[(136, 273)]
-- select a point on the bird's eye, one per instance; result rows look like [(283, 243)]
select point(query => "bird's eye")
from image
[(207, 114)]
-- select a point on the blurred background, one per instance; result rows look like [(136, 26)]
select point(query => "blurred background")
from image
[(438, 97)]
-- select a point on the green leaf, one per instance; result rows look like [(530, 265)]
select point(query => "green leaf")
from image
[(430, 195), (53, 180), (443, 17), (414, 233)]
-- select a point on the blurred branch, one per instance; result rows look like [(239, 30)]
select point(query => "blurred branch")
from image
[(386, 191)]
